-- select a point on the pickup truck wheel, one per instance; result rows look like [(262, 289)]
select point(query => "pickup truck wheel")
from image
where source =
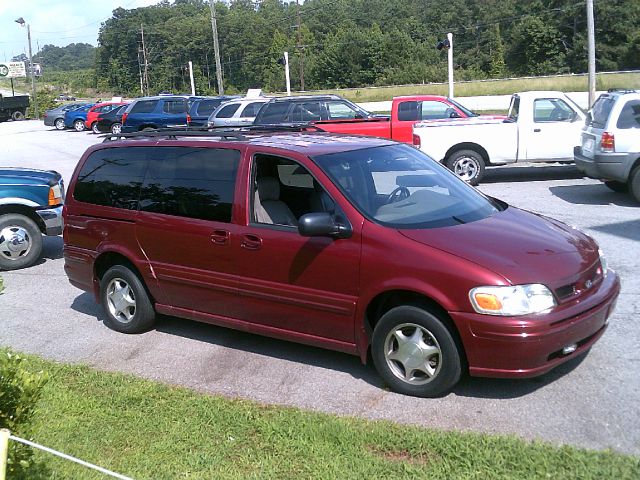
[(20, 242), (17, 115), (415, 353), (78, 126), (94, 128), (125, 301), (634, 183), (617, 186), (59, 124), (467, 164)]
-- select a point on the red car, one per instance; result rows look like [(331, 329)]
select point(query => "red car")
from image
[(350, 243), (97, 109)]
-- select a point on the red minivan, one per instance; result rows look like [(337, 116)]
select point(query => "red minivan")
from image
[(356, 244)]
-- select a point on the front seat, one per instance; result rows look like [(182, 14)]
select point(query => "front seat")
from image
[(268, 206)]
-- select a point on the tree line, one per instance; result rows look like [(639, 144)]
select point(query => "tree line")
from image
[(356, 43)]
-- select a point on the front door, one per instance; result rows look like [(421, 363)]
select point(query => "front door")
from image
[(303, 284)]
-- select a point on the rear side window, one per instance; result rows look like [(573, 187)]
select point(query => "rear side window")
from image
[(191, 182), (408, 111), (273, 112), (228, 111), (252, 109), (206, 107), (174, 106), (600, 112), (145, 106), (112, 177), (629, 116), (305, 112)]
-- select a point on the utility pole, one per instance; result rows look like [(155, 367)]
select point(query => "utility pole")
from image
[(286, 72), (592, 52), (300, 48), (140, 72), (216, 48), (450, 61), (193, 85), (146, 63), (22, 23)]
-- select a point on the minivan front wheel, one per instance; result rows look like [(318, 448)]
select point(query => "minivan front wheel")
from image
[(125, 300), (415, 353)]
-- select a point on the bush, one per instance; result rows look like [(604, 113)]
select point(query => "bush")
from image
[(20, 390)]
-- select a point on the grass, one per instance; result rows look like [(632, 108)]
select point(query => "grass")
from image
[(149, 430), (569, 83)]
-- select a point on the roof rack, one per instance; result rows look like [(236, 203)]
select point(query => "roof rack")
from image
[(622, 90)]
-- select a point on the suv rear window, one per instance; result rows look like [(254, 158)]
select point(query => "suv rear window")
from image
[(630, 115), (145, 106), (206, 107), (600, 112), (112, 177), (252, 109)]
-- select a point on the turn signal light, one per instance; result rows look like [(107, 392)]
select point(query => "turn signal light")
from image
[(55, 196), (488, 302), (608, 142)]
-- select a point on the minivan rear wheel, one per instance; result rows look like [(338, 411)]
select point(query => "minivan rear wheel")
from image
[(620, 187), (125, 300), (415, 353), (634, 183)]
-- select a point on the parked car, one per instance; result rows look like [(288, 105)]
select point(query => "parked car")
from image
[(55, 116), (610, 143), (239, 112), (30, 206), (63, 97), (201, 108), (97, 109), (541, 127), (14, 107), (76, 117), (156, 112), (111, 121), (357, 244)]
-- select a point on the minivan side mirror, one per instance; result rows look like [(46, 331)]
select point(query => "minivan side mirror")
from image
[(322, 224)]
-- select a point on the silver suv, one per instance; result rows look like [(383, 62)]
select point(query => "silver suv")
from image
[(610, 147), (238, 112)]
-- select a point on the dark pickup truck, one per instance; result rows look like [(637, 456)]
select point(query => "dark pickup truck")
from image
[(30, 206), (13, 107)]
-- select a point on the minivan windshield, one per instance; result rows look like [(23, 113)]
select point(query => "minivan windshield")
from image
[(401, 187)]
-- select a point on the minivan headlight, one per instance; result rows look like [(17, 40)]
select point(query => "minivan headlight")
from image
[(512, 300)]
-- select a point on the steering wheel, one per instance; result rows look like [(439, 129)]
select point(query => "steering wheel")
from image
[(399, 193)]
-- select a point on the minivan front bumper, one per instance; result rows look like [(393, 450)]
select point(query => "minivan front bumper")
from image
[(528, 346)]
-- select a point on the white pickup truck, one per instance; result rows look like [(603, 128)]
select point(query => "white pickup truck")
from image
[(540, 127)]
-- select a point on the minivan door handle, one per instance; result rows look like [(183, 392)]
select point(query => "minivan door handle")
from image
[(251, 242), (220, 237)]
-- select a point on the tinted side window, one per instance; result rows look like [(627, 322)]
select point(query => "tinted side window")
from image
[(112, 177), (630, 115), (408, 111), (191, 182), (206, 107), (305, 112), (273, 112), (174, 106), (145, 106), (600, 111), (252, 109), (228, 111)]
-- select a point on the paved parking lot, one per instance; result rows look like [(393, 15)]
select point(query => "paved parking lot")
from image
[(591, 401)]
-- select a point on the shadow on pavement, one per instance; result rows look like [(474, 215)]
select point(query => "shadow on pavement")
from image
[(593, 194), (531, 174), (629, 229)]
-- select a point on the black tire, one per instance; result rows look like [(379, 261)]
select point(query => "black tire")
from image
[(20, 242), (148, 129), (131, 310), (79, 126), (116, 128), (467, 164), (620, 187), (437, 350), (634, 183), (94, 128), (17, 115), (59, 124)]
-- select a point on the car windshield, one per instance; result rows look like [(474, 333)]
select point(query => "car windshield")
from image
[(399, 186), (467, 112)]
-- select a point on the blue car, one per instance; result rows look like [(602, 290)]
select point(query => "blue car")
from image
[(75, 118), (157, 112), (55, 116)]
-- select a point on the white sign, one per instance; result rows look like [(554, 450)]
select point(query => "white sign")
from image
[(12, 70)]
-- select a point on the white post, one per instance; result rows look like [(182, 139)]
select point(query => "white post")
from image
[(450, 58), (193, 85), (592, 53), (4, 447), (286, 72)]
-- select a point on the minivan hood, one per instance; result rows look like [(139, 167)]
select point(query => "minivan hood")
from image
[(520, 246)]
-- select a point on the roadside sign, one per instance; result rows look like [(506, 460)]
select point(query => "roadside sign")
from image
[(12, 70)]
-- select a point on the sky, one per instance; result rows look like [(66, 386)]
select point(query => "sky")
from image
[(55, 22)]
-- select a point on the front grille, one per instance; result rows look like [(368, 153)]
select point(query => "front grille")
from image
[(587, 281)]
